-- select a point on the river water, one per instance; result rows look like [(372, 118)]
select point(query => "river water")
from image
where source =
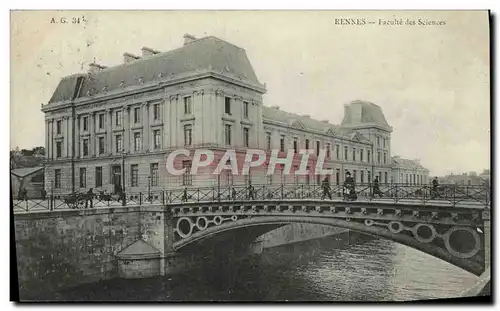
[(318, 270)]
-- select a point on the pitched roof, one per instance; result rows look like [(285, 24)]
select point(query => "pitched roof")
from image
[(359, 112), (406, 163), (23, 172), (137, 250), (205, 54), (274, 114)]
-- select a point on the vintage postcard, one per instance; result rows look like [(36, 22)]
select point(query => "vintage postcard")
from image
[(250, 155)]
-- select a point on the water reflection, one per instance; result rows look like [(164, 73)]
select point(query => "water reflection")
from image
[(322, 270)]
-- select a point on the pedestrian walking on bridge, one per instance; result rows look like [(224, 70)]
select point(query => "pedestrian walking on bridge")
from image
[(326, 189)]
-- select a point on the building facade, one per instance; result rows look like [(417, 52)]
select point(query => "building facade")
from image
[(409, 172), (116, 126)]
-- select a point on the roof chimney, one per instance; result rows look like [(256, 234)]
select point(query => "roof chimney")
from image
[(276, 107), (93, 67), (148, 51), (128, 58), (188, 38)]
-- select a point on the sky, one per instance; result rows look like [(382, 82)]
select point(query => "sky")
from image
[(432, 82)]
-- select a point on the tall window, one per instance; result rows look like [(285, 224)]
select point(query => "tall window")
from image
[(58, 149), (134, 175), (98, 177), (268, 140), (154, 174), (385, 177), (368, 156), (401, 178), (118, 118), (380, 176), (361, 151), (378, 157), (137, 115), (318, 146), (245, 110), (383, 140), (308, 176), (58, 126), (187, 105), (85, 147), (188, 139), (282, 143), (85, 124), (337, 152), (246, 137), (156, 112), (137, 141), (101, 145), (355, 175), (362, 176), (345, 153), (101, 121), (57, 178), (227, 105), (295, 145), (337, 176), (83, 177), (227, 134), (385, 157), (119, 143), (369, 175), (156, 136), (328, 146), (354, 154), (187, 177), (378, 141), (307, 144)]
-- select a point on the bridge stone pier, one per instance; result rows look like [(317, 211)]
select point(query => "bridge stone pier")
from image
[(59, 249)]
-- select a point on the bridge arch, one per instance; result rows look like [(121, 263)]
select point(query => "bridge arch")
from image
[(393, 230)]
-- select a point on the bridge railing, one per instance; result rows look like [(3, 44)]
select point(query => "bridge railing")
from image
[(396, 193)]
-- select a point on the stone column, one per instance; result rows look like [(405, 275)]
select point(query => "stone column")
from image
[(67, 136), (174, 122), (77, 136), (51, 139), (47, 147), (109, 131), (92, 134), (198, 129), (165, 106), (126, 129), (219, 112), (145, 127)]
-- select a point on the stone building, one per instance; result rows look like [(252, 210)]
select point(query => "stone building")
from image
[(409, 172), (114, 126)]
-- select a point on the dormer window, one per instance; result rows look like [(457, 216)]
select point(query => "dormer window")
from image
[(122, 83), (105, 89), (141, 80)]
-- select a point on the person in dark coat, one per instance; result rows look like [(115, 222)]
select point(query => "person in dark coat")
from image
[(349, 187), (44, 194), (90, 198), (435, 185), (251, 195), (376, 188), (326, 189)]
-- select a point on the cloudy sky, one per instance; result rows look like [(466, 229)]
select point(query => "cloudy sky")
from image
[(432, 82)]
